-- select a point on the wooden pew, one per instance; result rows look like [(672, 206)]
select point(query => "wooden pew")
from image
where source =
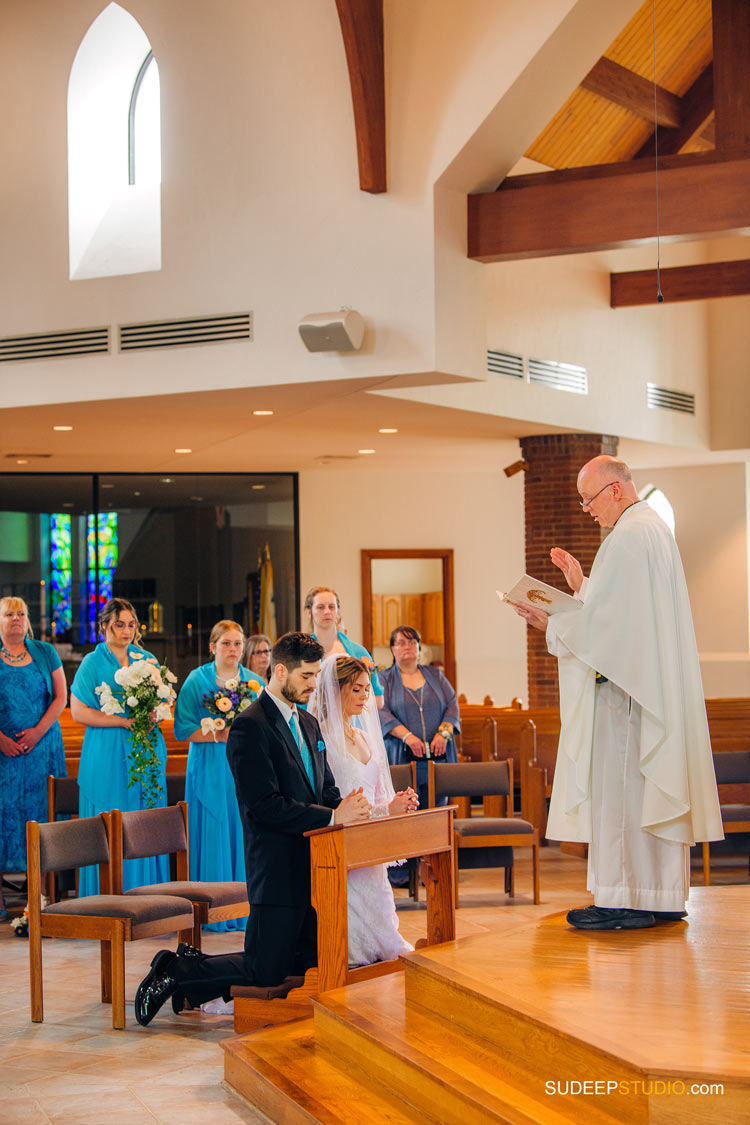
[(72, 734)]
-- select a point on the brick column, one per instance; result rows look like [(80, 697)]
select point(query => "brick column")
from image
[(554, 519)]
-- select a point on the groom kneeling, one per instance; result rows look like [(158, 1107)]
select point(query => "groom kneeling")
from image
[(284, 789)]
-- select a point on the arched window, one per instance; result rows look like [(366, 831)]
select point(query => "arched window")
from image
[(114, 150), (656, 499)]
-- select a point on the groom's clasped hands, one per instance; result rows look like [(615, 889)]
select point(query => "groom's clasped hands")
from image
[(353, 807)]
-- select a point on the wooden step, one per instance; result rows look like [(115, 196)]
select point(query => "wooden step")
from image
[(448, 1074), (543, 1052), (284, 1073)]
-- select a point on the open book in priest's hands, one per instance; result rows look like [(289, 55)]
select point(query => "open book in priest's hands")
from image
[(533, 592)]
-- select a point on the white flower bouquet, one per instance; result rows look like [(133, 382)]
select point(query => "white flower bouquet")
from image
[(147, 698)]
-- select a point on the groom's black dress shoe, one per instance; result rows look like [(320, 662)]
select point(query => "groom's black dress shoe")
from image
[(156, 987), (179, 1000), (607, 918), (668, 915)]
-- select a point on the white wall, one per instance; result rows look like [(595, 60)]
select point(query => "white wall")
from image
[(711, 528), (478, 514)]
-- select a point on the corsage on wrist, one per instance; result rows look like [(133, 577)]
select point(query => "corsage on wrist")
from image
[(445, 731)]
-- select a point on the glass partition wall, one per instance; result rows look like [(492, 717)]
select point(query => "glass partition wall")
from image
[(186, 550)]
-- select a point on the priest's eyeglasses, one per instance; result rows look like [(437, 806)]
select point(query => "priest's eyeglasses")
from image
[(588, 503)]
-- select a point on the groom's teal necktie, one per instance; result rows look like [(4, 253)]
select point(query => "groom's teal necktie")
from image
[(303, 749)]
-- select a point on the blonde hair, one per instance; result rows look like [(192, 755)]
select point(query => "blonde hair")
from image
[(222, 627), (13, 605)]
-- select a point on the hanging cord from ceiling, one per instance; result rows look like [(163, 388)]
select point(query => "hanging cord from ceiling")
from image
[(659, 294)]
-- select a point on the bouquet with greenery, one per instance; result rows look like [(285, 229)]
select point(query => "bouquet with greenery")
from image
[(147, 697), (225, 704)]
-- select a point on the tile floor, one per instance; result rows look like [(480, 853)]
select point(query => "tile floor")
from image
[(74, 1068)]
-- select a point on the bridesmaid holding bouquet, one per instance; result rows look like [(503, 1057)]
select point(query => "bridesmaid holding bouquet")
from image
[(209, 701)]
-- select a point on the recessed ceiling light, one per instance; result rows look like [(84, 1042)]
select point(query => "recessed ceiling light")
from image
[(183, 451), (167, 480), (387, 430), (263, 413), (62, 427), (21, 461), (365, 451), (107, 486), (258, 487), (136, 493)]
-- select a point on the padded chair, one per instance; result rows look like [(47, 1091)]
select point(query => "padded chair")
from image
[(403, 776), (62, 800), (175, 788), (110, 919), (493, 782), (164, 831), (731, 768)]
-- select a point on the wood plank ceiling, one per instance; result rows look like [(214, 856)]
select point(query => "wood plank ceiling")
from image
[(592, 128)]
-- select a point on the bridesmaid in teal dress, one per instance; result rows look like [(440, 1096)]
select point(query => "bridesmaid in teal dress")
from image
[(215, 830), (103, 772), (32, 697)]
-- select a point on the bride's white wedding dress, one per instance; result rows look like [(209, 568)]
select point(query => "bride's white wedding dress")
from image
[(373, 922)]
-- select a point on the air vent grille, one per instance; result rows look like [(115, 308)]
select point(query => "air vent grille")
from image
[(661, 398), (561, 376), (504, 363), (184, 333), (54, 345)]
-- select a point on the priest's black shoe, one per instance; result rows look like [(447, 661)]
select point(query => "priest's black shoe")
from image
[(607, 918), (156, 987), (668, 915)]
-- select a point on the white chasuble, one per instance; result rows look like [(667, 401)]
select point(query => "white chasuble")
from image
[(635, 628)]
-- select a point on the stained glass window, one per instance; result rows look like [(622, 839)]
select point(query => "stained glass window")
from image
[(61, 573), (101, 559)]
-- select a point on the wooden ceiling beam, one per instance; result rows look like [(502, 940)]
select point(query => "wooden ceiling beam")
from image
[(731, 31), (697, 114), (625, 88), (609, 206), (362, 31), (680, 283)]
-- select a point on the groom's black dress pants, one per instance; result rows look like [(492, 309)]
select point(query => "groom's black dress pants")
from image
[(280, 941)]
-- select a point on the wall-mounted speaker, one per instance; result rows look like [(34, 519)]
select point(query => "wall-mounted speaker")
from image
[(341, 331)]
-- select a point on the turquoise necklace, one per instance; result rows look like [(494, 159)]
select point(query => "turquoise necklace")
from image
[(14, 659)]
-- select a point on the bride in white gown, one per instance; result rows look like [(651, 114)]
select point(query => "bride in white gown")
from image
[(356, 753)]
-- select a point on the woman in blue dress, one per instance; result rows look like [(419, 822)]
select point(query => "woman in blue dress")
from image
[(215, 830), (323, 607), (107, 746), (32, 697), (420, 713)]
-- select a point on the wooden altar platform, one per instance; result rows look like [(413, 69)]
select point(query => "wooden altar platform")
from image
[(529, 1022)]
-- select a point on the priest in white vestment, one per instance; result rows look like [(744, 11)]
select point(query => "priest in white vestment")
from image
[(634, 775)]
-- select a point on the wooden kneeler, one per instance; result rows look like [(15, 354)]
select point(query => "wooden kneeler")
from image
[(334, 852)]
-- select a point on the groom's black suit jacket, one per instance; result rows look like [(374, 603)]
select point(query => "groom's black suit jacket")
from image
[(277, 804)]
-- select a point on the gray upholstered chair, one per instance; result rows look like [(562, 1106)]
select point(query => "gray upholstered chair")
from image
[(175, 788), (164, 831), (732, 767), (403, 776), (62, 800), (493, 782), (110, 919)]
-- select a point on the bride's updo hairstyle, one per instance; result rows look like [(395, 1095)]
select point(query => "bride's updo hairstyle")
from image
[(110, 613), (347, 670)]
